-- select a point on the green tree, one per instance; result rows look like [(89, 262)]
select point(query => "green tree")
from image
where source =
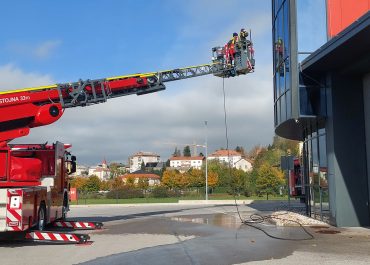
[(173, 179), (116, 170), (290, 147), (92, 183), (240, 150), (104, 185), (269, 179), (186, 151), (177, 152), (195, 178), (130, 181), (168, 179), (143, 184), (116, 183), (212, 179), (142, 167), (222, 171), (79, 183), (238, 181), (255, 151)]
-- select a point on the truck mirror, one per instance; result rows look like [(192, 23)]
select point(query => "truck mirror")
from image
[(73, 166)]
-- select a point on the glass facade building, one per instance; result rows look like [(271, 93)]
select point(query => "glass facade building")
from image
[(321, 98), (282, 62), (299, 106)]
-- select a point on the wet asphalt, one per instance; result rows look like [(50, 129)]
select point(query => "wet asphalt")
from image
[(217, 236), (194, 234), (217, 239)]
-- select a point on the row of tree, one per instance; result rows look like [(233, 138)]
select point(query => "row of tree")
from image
[(266, 178), (194, 178), (94, 184)]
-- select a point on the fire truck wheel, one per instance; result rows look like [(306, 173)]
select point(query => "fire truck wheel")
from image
[(41, 220)]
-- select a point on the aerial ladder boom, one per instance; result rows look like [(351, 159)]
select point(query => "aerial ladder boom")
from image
[(26, 108), (34, 178)]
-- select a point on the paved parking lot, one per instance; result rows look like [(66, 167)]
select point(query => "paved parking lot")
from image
[(191, 234)]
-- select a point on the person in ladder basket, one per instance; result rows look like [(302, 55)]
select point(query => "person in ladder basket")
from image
[(231, 45), (243, 38)]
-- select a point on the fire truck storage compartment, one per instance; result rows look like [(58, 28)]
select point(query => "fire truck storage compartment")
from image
[(3, 162), (25, 169), (47, 158)]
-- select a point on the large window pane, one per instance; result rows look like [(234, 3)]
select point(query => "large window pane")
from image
[(283, 108), (287, 74), (323, 161), (278, 111), (281, 79), (277, 90), (286, 30), (311, 16), (315, 161), (275, 114), (309, 160), (289, 104)]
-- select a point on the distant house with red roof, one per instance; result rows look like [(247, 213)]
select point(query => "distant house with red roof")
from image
[(186, 162), (153, 179), (232, 157)]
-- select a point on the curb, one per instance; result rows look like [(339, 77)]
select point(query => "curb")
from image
[(180, 202)]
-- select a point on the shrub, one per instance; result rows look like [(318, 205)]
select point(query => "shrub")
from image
[(125, 193), (163, 192), (160, 192)]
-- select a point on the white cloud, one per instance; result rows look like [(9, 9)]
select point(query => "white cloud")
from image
[(45, 49), (12, 77), (40, 51)]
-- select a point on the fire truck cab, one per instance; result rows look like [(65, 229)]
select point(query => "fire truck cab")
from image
[(36, 181)]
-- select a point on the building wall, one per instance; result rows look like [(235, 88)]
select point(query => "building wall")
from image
[(348, 180), (342, 13), (151, 181), (186, 163), (226, 159), (136, 161), (366, 88), (244, 165)]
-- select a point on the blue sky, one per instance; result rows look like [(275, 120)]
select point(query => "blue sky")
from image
[(44, 42), (83, 39)]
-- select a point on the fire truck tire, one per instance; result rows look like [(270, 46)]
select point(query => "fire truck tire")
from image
[(41, 218)]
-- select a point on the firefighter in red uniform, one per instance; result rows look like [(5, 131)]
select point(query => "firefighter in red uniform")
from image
[(231, 46)]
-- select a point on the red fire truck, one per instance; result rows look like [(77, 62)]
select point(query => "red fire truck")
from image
[(296, 181), (34, 177)]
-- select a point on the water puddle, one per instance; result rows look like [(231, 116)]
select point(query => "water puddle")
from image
[(219, 219)]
